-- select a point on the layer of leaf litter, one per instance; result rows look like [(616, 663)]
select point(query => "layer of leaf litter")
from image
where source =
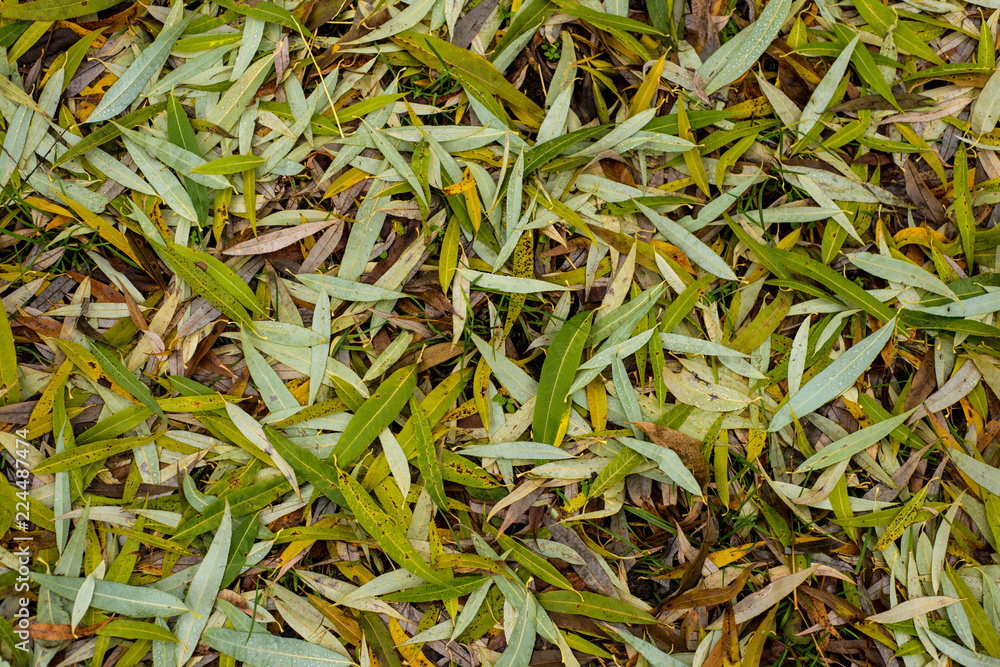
[(509, 332)]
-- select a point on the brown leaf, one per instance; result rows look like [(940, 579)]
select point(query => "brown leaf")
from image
[(711, 597), (692, 574), (276, 240), (879, 103), (591, 571), (707, 39), (63, 633), (687, 449), (921, 195), (473, 20), (924, 382), (281, 58)]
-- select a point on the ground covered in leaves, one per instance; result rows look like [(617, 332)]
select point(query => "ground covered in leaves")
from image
[(500, 332)]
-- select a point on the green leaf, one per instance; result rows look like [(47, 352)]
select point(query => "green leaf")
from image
[(852, 295), (125, 628), (865, 65), (592, 605), (384, 530), (427, 456), (242, 502), (313, 469), (650, 652), (667, 460), (605, 21), (835, 379), (204, 589), (853, 444), (528, 18), (266, 650), (522, 641), (349, 290), (10, 385), (118, 373), (53, 10), (103, 135), (541, 154), (561, 363), (960, 654), (225, 277), (697, 252), (964, 218), (977, 305), (477, 74), (448, 261), (259, 446), (508, 284), (117, 598), (982, 474), (269, 13), (230, 164), (143, 69), (900, 271), (883, 19), (85, 455), (754, 41), (234, 101), (823, 94), (376, 413), (184, 262)]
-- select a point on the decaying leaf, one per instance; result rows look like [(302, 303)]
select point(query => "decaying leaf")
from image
[(520, 331)]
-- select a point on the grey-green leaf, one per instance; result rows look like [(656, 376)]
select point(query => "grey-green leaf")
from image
[(835, 379), (853, 444), (758, 37), (899, 271), (142, 70), (204, 587), (697, 252), (668, 462), (265, 650), (117, 598)]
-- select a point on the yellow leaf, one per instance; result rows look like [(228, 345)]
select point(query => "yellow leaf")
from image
[(646, 95)]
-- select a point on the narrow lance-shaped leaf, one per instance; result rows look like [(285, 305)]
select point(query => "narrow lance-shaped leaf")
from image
[(204, 587), (135, 601), (835, 379), (561, 363), (142, 70), (697, 252), (381, 408), (427, 456), (900, 271), (964, 218), (384, 530), (117, 371), (853, 444), (757, 38), (266, 650)]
